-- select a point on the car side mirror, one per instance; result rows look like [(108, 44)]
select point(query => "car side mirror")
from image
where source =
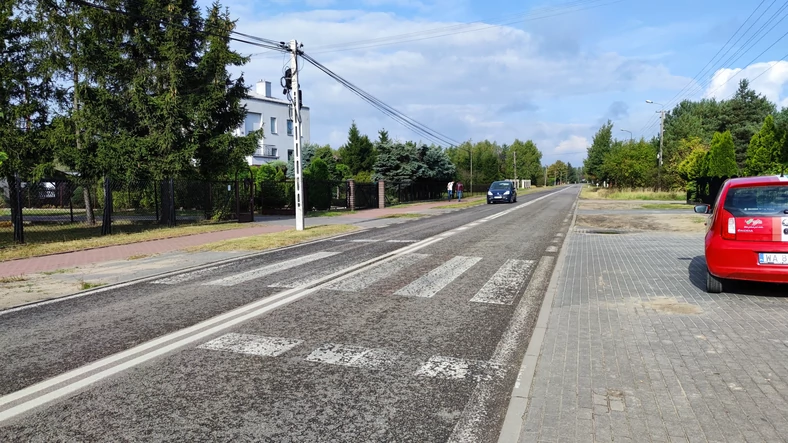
[(703, 209)]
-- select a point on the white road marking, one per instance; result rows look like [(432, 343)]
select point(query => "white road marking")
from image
[(305, 279), (555, 240), (363, 240), (552, 249), (437, 279), (269, 269), (364, 280), (401, 241), (451, 368), (353, 356), (252, 344), (502, 288), (558, 234), (183, 278), (461, 228), (447, 234)]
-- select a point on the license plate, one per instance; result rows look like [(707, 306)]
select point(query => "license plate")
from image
[(772, 259), (497, 196)]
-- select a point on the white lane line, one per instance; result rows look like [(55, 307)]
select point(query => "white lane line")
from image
[(268, 269), (461, 228), (366, 279), (447, 234), (451, 368), (437, 279), (353, 356), (251, 344), (401, 241), (363, 241), (502, 288), (552, 249), (183, 278)]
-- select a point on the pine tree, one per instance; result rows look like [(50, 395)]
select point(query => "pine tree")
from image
[(722, 156), (743, 115), (358, 153)]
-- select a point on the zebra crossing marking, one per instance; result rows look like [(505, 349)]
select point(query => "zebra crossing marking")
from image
[(502, 288), (251, 344), (430, 284), (353, 356), (451, 368), (268, 269), (362, 281)]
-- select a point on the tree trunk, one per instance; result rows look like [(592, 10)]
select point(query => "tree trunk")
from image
[(90, 216)]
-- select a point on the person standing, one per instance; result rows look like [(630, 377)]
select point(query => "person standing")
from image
[(450, 189), (459, 191)]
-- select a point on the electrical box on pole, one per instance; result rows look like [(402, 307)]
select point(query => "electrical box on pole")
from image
[(296, 107)]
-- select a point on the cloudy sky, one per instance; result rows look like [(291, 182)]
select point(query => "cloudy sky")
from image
[(551, 71)]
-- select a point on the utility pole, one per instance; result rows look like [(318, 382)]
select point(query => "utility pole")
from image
[(661, 138), (515, 168), (299, 181), (545, 176)]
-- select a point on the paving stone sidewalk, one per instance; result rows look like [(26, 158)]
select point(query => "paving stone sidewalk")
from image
[(636, 351)]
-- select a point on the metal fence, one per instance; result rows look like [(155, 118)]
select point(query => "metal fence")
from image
[(705, 189), (53, 210), (278, 197)]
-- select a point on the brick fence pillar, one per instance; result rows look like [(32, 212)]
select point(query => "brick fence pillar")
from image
[(381, 194), (351, 191)]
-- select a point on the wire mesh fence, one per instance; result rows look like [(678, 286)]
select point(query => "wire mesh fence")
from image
[(62, 209)]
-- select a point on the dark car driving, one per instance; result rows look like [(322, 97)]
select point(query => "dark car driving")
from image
[(502, 191)]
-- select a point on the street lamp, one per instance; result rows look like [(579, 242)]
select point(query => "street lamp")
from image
[(661, 137), (630, 133)]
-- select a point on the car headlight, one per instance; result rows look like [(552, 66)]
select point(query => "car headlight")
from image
[(506, 193), (489, 192)]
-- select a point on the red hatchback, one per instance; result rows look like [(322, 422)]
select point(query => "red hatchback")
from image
[(747, 232)]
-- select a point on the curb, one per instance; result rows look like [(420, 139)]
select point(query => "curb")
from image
[(518, 403)]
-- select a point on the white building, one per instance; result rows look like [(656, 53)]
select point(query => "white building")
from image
[(273, 115)]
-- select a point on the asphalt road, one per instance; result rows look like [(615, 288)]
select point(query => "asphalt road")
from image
[(412, 332)]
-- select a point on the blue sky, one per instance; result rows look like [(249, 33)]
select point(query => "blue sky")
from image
[(519, 73)]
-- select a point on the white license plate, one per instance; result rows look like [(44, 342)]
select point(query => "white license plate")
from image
[(772, 259), (497, 196)]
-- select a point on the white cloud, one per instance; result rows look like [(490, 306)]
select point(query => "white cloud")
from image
[(475, 85), (572, 145), (771, 82)]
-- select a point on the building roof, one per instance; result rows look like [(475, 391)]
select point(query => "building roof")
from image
[(253, 95)]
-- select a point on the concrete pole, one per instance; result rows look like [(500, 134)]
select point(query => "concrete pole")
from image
[(299, 180)]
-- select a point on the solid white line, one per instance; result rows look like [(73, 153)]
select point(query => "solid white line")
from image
[(502, 288), (268, 269), (437, 279), (364, 241), (366, 279), (461, 228), (252, 344), (401, 241)]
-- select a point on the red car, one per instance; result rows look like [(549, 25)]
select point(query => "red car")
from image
[(747, 232)]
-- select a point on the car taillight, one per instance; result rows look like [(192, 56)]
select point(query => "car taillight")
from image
[(728, 225)]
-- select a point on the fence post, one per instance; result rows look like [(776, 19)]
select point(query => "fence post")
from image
[(351, 194), (106, 222), (19, 231), (381, 194)]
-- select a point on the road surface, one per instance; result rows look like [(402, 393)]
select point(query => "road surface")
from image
[(411, 332)]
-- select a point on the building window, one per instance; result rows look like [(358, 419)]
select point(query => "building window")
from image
[(289, 127), (273, 125), (289, 154)]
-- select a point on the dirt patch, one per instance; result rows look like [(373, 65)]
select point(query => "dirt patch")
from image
[(672, 306), (650, 223)]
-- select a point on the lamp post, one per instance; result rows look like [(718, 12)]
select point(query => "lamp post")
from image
[(630, 133), (661, 137)]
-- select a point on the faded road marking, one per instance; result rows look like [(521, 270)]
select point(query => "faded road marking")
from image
[(552, 249), (354, 356), (269, 269), (363, 280), (437, 279), (502, 288), (451, 368), (251, 344), (183, 278)]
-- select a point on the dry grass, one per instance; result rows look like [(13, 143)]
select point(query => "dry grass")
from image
[(461, 205), (12, 279), (591, 193), (66, 244), (85, 285), (275, 240), (649, 223)]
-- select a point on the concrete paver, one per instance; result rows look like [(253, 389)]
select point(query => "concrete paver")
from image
[(636, 350)]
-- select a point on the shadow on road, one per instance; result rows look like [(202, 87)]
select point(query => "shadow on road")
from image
[(697, 276)]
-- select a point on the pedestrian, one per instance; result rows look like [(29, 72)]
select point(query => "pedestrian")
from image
[(459, 191), (450, 189)]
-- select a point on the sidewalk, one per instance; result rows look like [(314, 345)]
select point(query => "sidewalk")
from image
[(636, 351), (263, 225)]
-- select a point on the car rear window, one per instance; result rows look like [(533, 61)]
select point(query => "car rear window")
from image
[(757, 201), (501, 185)]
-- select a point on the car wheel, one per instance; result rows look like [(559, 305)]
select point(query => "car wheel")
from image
[(713, 284)]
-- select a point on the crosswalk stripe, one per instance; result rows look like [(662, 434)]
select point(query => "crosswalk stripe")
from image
[(361, 281), (251, 344), (503, 286), (437, 279), (353, 356), (183, 278), (269, 269), (451, 368)]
